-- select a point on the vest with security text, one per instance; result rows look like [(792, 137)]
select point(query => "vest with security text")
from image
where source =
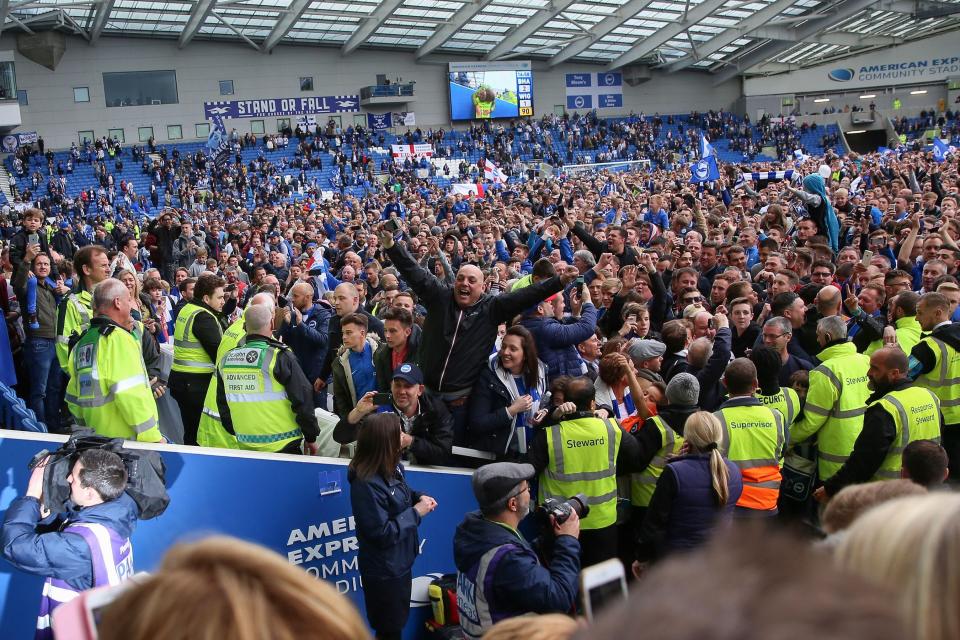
[(263, 419), (944, 379), (786, 401), (189, 356), (642, 484), (583, 459), (916, 413), (112, 563), (109, 389), (754, 438), (210, 432)]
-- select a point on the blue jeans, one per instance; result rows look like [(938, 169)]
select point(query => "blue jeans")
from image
[(40, 357)]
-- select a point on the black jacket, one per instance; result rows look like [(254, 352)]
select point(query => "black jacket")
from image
[(299, 391), (383, 358), (432, 432), (872, 445), (456, 342)]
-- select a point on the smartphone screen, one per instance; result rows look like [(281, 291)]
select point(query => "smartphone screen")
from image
[(383, 399), (33, 238)]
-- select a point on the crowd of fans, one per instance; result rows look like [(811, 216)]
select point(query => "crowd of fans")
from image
[(753, 346)]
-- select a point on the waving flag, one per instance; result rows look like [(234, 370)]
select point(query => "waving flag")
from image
[(757, 176), (705, 170), (493, 172), (941, 150), (706, 149)]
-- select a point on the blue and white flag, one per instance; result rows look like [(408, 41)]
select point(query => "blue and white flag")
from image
[(705, 171), (941, 150), (218, 143), (757, 176), (706, 149)]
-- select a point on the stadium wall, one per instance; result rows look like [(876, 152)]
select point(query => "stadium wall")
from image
[(200, 66)]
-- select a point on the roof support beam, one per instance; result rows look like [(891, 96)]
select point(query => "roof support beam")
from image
[(100, 20), (367, 27), (4, 12), (601, 29), (446, 31), (528, 28), (836, 37), (237, 32), (651, 42), (724, 38), (201, 11), (284, 24), (772, 48)]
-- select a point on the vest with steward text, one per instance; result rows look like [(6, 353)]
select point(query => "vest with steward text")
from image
[(112, 560), (944, 379), (189, 356), (211, 432), (109, 390), (642, 484), (916, 412), (835, 404), (263, 419), (583, 459), (754, 438), (786, 401)]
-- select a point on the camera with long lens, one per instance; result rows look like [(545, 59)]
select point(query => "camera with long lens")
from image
[(561, 510)]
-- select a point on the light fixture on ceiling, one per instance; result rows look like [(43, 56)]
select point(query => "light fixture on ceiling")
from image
[(918, 92), (822, 100), (868, 95), (850, 133)]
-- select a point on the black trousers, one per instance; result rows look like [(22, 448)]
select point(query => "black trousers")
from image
[(597, 545), (189, 390), (388, 604), (950, 439)]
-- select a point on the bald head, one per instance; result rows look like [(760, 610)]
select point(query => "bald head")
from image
[(258, 320), (888, 366), (828, 301), (469, 286), (345, 299)]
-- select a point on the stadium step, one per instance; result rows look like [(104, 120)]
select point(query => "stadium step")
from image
[(5, 179)]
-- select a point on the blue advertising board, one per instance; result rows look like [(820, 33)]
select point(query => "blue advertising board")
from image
[(279, 107), (298, 507)]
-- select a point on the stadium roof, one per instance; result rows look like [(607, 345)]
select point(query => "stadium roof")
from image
[(727, 37)]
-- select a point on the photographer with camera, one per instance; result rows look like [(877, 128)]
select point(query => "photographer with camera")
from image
[(584, 454), (86, 546), (499, 574)]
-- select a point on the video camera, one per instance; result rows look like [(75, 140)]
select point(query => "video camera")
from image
[(146, 482)]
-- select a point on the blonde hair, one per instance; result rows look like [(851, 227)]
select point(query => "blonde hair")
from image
[(550, 626), (912, 546), (222, 587), (852, 501), (703, 431)]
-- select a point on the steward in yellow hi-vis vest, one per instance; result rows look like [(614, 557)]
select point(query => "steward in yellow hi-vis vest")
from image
[(899, 412), (584, 454), (211, 432), (837, 399), (263, 396)]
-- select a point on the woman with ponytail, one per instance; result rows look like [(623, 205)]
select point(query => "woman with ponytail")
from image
[(696, 492)]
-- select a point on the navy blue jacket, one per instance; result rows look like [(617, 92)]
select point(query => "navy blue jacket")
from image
[(309, 339), (39, 548), (386, 525), (683, 510), (520, 583), (557, 341)]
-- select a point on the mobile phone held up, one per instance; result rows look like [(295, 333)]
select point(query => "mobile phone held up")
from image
[(391, 225), (383, 399), (602, 585)]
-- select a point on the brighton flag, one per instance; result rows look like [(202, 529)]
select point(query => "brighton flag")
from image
[(493, 172), (757, 176), (705, 170), (941, 150)]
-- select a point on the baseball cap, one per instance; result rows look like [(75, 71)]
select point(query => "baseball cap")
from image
[(641, 350), (409, 373), (494, 482)]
